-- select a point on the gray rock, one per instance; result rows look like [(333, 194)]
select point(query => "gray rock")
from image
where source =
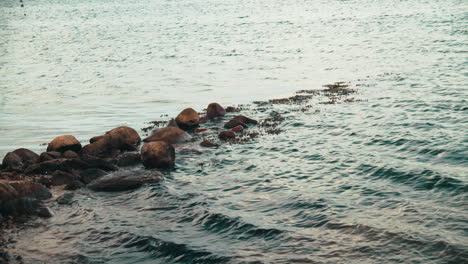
[(124, 180)]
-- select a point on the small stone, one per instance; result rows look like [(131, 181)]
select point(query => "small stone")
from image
[(207, 144), (200, 130), (237, 129), (231, 109), (67, 198), (44, 212)]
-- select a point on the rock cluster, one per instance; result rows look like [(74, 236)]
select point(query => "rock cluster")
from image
[(26, 176)]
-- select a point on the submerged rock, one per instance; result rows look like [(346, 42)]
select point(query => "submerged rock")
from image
[(92, 174), (207, 144), (66, 198), (169, 134), (226, 135), (158, 154), (245, 120), (124, 180), (215, 110), (233, 123), (237, 129), (188, 119), (64, 143)]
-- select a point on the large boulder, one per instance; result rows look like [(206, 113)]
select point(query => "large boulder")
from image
[(215, 110), (158, 154), (188, 119), (169, 134), (64, 143), (124, 180), (19, 159), (123, 138)]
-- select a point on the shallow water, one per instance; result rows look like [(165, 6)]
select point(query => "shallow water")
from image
[(382, 180)]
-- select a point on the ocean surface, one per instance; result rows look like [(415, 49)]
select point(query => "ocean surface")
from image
[(381, 178)]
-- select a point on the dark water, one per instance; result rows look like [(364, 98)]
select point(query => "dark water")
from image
[(382, 180)]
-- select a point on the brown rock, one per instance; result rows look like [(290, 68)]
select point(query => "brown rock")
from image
[(27, 156), (69, 154), (128, 159), (95, 139), (45, 156), (188, 119), (200, 130), (61, 178), (245, 120), (158, 154), (169, 134), (231, 109), (233, 123), (123, 138), (100, 148), (19, 159), (226, 135), (204, 119), (64, 143), (215, 110), (207, 144), (237, 129)]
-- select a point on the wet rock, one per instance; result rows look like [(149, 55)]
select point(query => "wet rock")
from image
[(226, 135), (99, 163), (124, 180), (233, 123), (44, 212), (237, 129), (63, 178), (172, 123), (11, 161), (231, 109), (19, 159), (158, 154), (100, 148), (92, 174), (128, 159), (245, 120), (188, 119), (123, 138), (215, 110), (204, 119), (169, 134), (64, 143), (31, 189), (45, 180), (27, 156), (95, 139), (66, 198), (74, 185), (200, 130), (70, 154), (207, 144), (50, 166), (45, 156)]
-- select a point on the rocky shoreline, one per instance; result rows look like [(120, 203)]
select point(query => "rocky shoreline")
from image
[(26, 178)]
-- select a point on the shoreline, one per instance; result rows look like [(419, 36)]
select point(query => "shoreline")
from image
[(98, 164)]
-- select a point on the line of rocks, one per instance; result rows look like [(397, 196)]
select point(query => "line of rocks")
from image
[(25, 177)]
